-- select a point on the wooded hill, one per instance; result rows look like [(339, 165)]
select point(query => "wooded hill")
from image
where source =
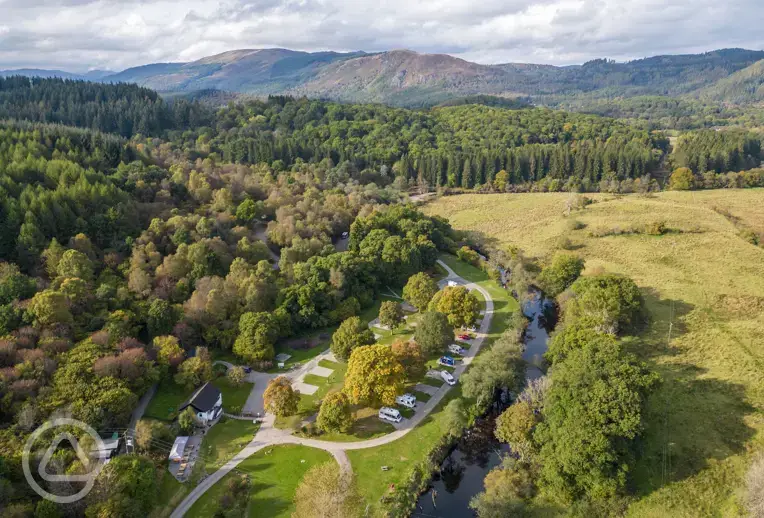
[(406, 78)]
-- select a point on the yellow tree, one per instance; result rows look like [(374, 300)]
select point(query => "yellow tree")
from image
[(374, 376)]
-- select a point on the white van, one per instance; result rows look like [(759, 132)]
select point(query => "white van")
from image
[(407, 400), (456, 349), (447, 377), (390, 414)]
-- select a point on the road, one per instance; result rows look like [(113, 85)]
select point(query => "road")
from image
[(268, 435)]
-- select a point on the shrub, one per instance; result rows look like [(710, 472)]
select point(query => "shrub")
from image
[(656, 228)]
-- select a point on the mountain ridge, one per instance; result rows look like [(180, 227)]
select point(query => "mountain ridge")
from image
[(407, 78)]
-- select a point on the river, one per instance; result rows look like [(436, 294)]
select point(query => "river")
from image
[(477, 451)]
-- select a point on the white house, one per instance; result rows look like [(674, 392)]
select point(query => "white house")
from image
[(207, 403)]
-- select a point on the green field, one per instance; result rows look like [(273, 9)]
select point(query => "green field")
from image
[(234, 396), (224, 440), (704, 421), (169, 396), (275, 473)]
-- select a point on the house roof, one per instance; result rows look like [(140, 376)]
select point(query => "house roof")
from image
[(204, 399)]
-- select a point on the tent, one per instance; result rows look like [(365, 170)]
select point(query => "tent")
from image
[(176, 454)]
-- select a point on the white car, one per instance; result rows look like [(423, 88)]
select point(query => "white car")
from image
[(345, 235), (453, 284), (390, 414), (456, 349), (407, 400), (472, 328), (447, 377)]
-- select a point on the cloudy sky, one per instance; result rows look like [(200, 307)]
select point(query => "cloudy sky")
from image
[(78, 35)]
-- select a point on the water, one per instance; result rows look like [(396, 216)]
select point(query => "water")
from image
[(540, 311), (478, 452)]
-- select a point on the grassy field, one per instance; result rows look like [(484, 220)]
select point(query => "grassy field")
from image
[(224, 440), (171, 493), (701, 280), (275, 474), (234, 396), (164, 405)]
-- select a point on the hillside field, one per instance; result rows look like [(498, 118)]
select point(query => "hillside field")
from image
[(701, 281)]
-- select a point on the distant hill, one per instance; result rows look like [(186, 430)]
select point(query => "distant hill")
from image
[(263, 71), (744, 86), (407, 78), (93, 75)]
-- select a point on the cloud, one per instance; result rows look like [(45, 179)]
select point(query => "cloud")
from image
[(114, 34)]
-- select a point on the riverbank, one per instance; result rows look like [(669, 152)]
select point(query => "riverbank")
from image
[(461, 473)]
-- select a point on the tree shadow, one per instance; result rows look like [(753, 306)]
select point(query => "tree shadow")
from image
[(664, 319), (690, 422)]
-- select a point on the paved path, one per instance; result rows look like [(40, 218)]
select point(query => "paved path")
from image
[(141, 408), (268, 435)]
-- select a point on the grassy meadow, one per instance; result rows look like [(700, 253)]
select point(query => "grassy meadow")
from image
[(703, 283)]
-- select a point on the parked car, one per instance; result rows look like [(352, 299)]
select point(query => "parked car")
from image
[(447, 377), (390, 414), (446, 360), (407, 400), (456, 349), (472, 328), (345, 235), (453, 283), (247, 370), (464, 337)]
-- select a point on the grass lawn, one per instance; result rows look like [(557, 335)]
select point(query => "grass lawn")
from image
[(703, 279), (234, 396), (329, 364), (399, 456), (169, 396), (421, 396), (366, 425), (171, 493), (274, 478), (224, 440), (309, 403), (432, 382)]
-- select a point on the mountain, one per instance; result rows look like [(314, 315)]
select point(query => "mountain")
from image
[(407, 78), (258, 71), (742, 87)]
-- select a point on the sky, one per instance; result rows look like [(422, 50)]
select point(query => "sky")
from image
[(79, 35)]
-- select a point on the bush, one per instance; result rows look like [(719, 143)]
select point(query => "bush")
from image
[(750, 236), (574, 224), (656, 228)]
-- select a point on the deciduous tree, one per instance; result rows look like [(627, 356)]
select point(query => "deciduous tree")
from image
[(334, 414), (390, 314), (433, 332), (280, 398), (351, 333), (419, 290), (257, 332), (374, 376), (459, 305)]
